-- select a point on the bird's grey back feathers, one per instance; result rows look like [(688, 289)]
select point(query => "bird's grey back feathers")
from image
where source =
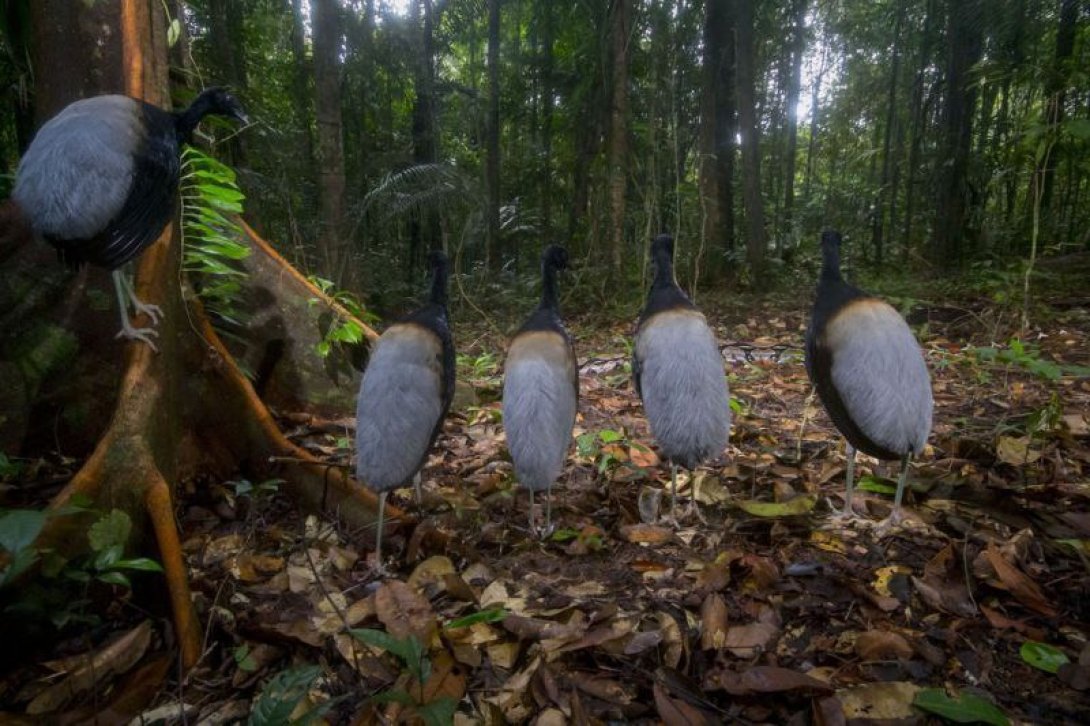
[(880, 374), (400, 404), (78, 171), (683, 387), (539, 404)]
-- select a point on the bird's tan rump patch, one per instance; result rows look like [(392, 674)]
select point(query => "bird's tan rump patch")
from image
[(858, 316), (546, 345), (673, 315)]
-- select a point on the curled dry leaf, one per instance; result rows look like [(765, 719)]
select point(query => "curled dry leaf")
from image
[(882, 645), (405, 612), (672, 639), (646, 533), (747, 641), (771, 679), (885, 701), (1020, 585), (430, 575), (675, 712), (713, 622)]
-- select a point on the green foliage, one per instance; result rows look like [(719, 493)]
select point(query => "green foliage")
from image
[(212, 251), (283, 694), (596, 446), (341, 330), (1028, 356), (1043, 656), (415, 660), (478, 367), (489, 615), (59, 595), (962, 708)]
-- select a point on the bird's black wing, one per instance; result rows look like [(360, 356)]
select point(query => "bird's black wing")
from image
[(150, 204), (636, 370)]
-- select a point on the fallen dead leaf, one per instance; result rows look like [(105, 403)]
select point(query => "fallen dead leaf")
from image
[(646, 533), (1020, 585), (770, 679), (675, 712), (752, 639), (713, 622), (882, 645), (405, 612), (879, 701)]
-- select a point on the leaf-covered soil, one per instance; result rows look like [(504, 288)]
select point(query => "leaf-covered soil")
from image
[(757, 607)]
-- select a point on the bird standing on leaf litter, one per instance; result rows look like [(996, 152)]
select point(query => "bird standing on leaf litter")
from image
[(406, 390), (541, 390), (869, 373), (99, 183), (678, 373)]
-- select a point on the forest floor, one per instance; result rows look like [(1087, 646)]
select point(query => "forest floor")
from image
[(761, 608)]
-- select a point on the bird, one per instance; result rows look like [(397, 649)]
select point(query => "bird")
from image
[(678, 372), (404, 395), (541, 390), (869, 373), (99, 182)]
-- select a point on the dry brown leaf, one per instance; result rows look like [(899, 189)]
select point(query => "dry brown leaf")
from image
[(405, 612), (646, 533), (771, 679), (675, 712), (882, 701), (713, 622), (430, 575), (882, 645), (1020, 585), (116, 657), (671, 636), (503, 655), (747, 641)]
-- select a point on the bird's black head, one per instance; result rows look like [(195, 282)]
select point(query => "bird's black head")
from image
[(439, 264), (831, 238), (221, 102), (663, 245), (554, 257)]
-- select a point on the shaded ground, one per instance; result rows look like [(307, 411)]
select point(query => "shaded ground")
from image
[(744, 616)]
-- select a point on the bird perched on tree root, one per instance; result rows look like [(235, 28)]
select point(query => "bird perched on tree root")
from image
[(404, 395), (99, 183), (678, 372), (869, 372), (541, 390)]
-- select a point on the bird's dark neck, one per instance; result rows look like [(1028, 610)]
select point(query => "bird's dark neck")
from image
[(439, 278), (549, 298), (185, 122), (664, 271), (830, 263), (665, 293)]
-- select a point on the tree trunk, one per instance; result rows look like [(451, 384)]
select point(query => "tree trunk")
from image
[(878, 227), (711, 226), (493, 256), (326, 22), (185, 406), (794, 87), (1056, 97), (756, 237), (917, 108), (726, 125), (618, 134), (547, 41), (424, 224), (815, 108), (964, 46), (300, 83)]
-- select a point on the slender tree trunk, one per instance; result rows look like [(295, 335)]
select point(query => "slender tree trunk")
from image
[(794, 87), (1056, 96), (618, 134), (918, 110), (726, 125), (326, 21), (546, 10), (815, 110), (424, 232), (711, 229), (964, 39), (492, 147), (877, 230), (301, 77), (756, 236)]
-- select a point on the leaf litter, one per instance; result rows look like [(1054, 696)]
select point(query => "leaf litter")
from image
[(756, 607)]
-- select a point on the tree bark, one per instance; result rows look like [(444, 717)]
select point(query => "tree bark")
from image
[(794, 87), (424, 224), (878, 227), (618, 134), (493, 256), (1056, 97), (711, 227), (327, 24), (917, 108), (548, 38), (756, 236), (964, 46), (185, 406), (300, 83)]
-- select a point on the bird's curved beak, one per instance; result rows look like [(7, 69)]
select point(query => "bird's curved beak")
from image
[(239, 115)]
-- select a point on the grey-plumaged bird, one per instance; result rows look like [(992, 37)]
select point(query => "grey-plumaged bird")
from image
[(678, 372), (541, 390), (404, 395), (869, 372), (99, 183)]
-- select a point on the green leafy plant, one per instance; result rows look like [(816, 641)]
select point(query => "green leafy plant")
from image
[(484, 365), (960, 708), (282, 695), (211, 250), (488, 615), (342, 330), (1043, 656), (1028, 356), (601, 448), (414, 658)]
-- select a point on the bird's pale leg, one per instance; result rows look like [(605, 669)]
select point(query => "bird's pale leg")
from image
[(139, 306), (378, 534), (530, 511), (127, 330), (673, 492), (895, 515), (419, 491), (548, 510), (848, 510)]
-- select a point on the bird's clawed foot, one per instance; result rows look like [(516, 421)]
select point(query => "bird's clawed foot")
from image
[(154, 312), (143, 334), (892, 524)]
